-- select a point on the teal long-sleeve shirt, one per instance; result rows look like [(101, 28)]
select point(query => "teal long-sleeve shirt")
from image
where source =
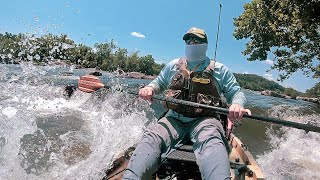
[(225, 82)]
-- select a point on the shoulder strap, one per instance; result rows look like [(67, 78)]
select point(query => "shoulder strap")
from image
[(211, 65), (181, 62)]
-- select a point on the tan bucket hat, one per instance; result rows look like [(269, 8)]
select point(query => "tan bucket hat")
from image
[(196, 32)]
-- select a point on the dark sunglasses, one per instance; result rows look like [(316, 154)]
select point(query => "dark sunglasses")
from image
[(195, 40)]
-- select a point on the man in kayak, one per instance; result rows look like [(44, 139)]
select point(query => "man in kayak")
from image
[(198, 79)]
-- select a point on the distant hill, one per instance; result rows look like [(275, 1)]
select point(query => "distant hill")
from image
[(257, 83)]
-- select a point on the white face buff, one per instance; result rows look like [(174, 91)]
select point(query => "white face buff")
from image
[(196, 52)]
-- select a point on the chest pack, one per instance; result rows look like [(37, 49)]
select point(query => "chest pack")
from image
[(196, 87)]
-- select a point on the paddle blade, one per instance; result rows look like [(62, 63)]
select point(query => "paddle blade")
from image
[(89, 83)]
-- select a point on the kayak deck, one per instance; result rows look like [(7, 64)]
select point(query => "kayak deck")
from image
[(181, 164), (241, 157)]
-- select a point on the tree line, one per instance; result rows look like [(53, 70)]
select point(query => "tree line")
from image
[(258, 83), (49, 48), (108, 57)]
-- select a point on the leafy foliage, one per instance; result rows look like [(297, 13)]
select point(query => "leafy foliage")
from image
[(257, 83), (314, 92), (292, 92), (288, 29), (50, 48)]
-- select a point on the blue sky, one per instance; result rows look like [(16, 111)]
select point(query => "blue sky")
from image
[(151, 27)]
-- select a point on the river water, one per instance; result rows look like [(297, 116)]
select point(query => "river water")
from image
[(43, 135)]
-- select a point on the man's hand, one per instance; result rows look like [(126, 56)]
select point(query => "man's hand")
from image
[(236, 112), (146, 93)]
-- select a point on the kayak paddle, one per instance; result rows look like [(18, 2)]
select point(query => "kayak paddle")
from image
[(90, 83)]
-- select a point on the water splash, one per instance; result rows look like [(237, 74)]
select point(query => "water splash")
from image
[(45, 136), (295, 154)]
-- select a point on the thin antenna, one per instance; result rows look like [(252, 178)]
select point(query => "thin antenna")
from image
[(215, 51)]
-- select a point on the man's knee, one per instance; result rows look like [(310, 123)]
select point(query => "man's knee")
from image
[(158, 131), (163, 132)]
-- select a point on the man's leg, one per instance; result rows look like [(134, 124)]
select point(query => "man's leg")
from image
[(210, 149), (156, 141)]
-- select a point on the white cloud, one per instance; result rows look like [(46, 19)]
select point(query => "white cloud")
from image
[(139, 35), (268, 61), (269, 76)]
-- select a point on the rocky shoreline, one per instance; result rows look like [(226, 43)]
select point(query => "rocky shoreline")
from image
[(121, 74), (276, 94), (136, 75)]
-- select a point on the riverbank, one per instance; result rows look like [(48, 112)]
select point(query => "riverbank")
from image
[(279, 95)]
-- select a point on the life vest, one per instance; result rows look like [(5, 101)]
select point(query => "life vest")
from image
[(196, 87)]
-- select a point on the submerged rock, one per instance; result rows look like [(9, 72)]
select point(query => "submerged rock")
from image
[(276, 94), (139, 75)]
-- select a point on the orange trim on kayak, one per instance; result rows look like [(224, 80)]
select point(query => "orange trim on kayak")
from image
[(90, 78), (86, 90)]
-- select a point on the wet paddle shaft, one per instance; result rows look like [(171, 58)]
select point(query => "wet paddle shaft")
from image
[(90, 83)]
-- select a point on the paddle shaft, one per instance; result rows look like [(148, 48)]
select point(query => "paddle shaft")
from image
[(90, 83), (220, 110)]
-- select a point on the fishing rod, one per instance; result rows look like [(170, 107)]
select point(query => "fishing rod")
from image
[(90, 83), (217, 38)]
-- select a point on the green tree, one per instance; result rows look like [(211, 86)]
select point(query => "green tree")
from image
[(132, 63), (10, 47), (314, 92), (41, 50), (120, 57), (51, 47), (292, 92), (66, 46), (257, 83), (104, 55), (288, 29), (145, 64), (157, 68), (84, 55)]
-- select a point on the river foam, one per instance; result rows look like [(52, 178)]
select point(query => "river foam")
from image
[(43, 135), (295, 153)]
